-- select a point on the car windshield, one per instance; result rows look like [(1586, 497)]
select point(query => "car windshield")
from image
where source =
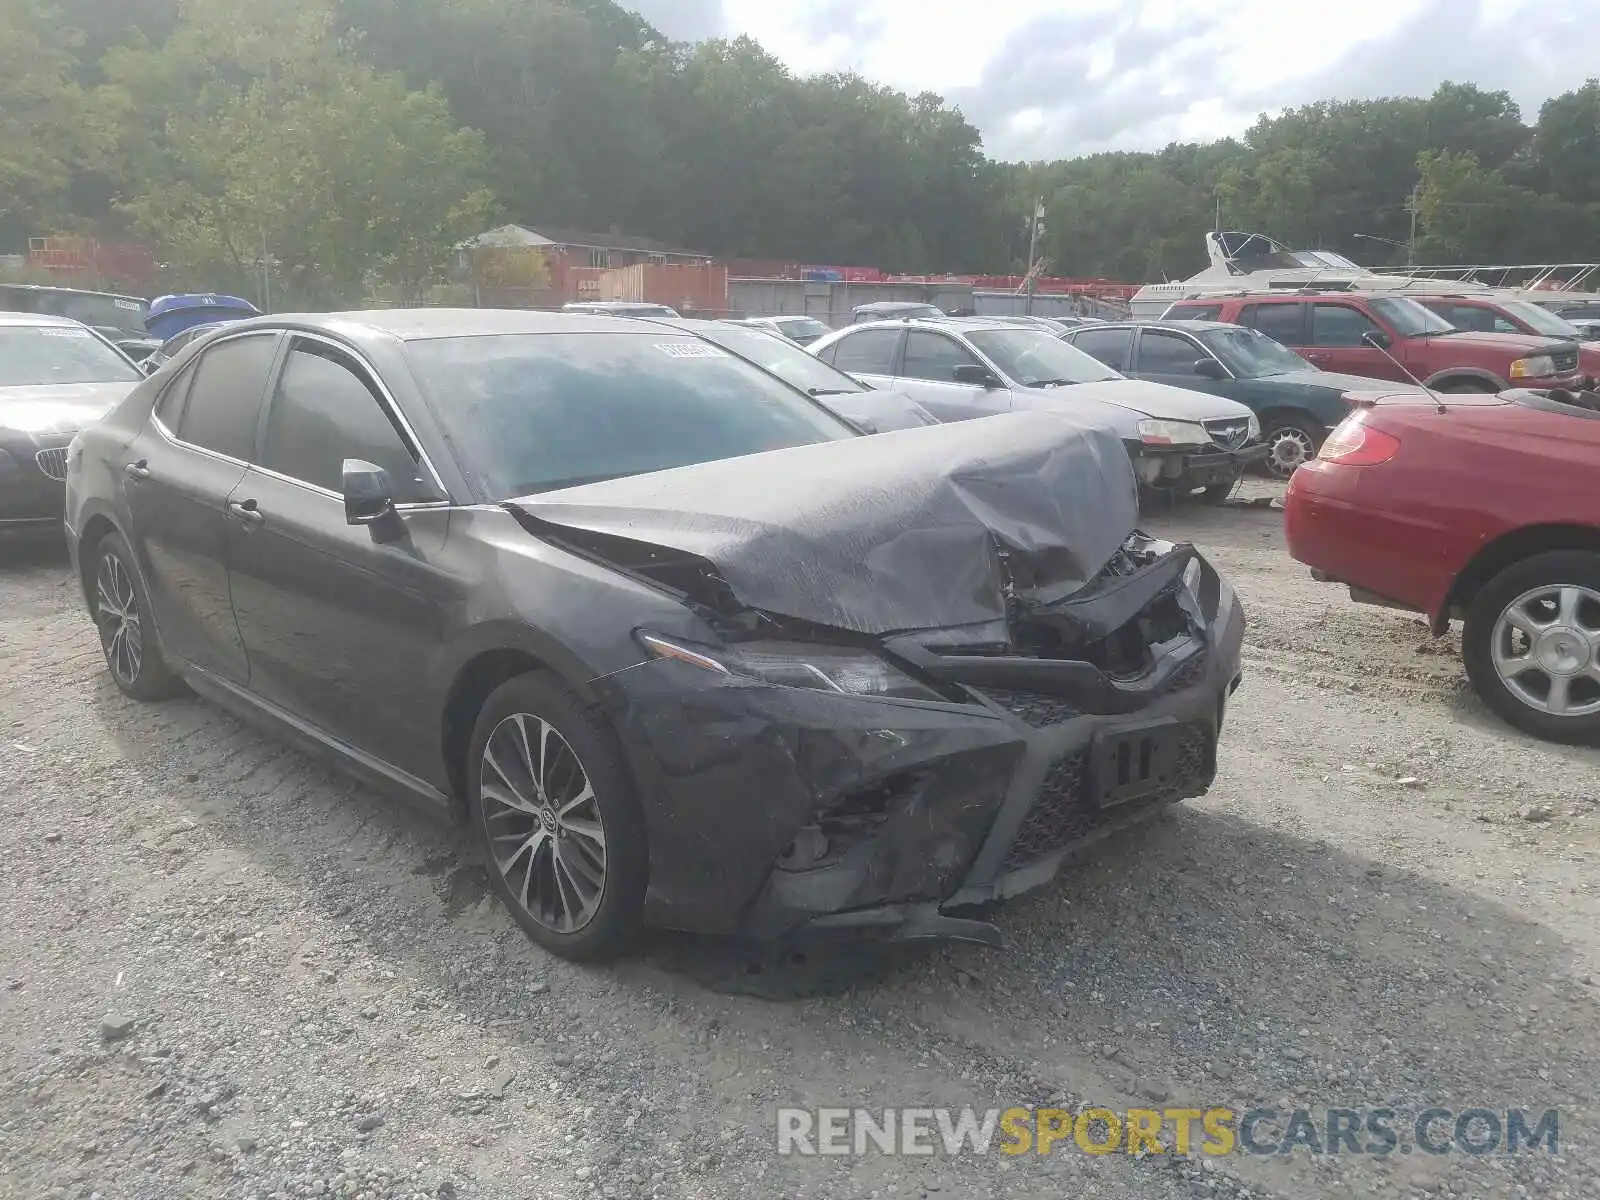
[(537, 412), (1035, 358), (784, 359), (1253, 355), (1541, 320), (41, 355), (1409, 318)]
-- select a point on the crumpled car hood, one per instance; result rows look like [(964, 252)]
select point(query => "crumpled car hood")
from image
[(59, 408), (894, 532)]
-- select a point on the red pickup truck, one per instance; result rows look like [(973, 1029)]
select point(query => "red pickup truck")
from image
[(1331, 330)]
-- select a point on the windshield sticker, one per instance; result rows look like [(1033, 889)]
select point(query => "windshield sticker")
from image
[(131, 305), (690, 350), (64, 332)]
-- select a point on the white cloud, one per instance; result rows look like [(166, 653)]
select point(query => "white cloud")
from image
[(1047, 78)]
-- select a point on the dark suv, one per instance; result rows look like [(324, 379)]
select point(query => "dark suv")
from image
[(1330, 329)]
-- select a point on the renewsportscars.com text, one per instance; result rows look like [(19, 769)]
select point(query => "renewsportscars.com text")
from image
[(1216, 1131)]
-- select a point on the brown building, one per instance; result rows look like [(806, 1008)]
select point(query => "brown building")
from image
[(574, 261)]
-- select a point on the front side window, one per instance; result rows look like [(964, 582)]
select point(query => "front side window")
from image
[(323, 412), (870, 352), (224, 402), (44, 355), (935, 357), (1168, 353), (531, 413), (1339, 325)]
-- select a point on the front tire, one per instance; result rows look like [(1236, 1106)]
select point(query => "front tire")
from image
[(558, 819), (1291, 440), (1532, 645), (121, 610)]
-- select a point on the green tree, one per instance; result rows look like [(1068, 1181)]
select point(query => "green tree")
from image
[(1566, 145), (289, 155)]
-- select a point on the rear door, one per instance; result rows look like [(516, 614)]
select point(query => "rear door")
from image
[(339, 629), (1337, 330), (178, 478), (1283, 322), (927, 375), (868, 354)]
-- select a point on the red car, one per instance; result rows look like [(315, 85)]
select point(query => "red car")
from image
[(1495, 314), (1332, 330), (1484, 508)]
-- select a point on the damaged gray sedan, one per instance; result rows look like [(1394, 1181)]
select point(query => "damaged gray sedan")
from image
[(680, 645)]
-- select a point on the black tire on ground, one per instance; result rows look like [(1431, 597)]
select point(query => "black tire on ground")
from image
[(1578, 568), (539, 696), (1219, 492), (134, 659), (1290, 429)]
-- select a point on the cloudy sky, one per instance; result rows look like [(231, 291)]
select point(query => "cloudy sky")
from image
[(1057, 78)]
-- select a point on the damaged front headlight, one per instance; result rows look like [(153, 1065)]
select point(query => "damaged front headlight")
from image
[(795, 665), (1173, 433)]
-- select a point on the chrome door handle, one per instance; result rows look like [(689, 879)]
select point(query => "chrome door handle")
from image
[(137, 470), (246, 511)]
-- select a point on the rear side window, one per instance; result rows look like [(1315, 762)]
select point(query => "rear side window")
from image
[(323, 412), (870, 352), (1338, 325), (224, 402), (1282, 322), (1194, 312), (1110, 346)]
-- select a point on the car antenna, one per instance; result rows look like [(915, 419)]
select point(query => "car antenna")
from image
[(1372, 339)]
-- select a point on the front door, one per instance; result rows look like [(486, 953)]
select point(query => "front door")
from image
[(340, 630), (1167, 356), (178, 476), (927, 375), (1336, 342)]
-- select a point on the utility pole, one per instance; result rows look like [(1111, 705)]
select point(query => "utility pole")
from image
[(1411, 243), (1036, 227)]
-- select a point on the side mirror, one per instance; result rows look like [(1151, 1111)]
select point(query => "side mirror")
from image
[(974, 374), (1209, 368), (1377, 339), (369, 501)]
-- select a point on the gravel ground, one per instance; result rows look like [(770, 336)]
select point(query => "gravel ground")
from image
[(227, 972)]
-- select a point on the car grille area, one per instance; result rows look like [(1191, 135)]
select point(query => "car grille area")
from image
[(53, 462), (1065, 812), (1230, 434), (1565, 360)]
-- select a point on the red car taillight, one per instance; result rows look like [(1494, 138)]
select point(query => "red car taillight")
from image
[(1357, 444)]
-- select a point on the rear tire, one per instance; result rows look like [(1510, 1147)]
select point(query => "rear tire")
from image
[(1556, 596), (121, 610), (559, 821)]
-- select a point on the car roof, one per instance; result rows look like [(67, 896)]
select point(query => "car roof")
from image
[(421, 324), (1162, 323), (36, 319), (70, 291), (956, 324), (1292, 294)]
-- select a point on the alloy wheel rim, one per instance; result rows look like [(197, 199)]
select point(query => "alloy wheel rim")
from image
[(546, 834), (117, 611), (1290, 448), (1546, 649)]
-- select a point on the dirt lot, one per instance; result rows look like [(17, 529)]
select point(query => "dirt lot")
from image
[(225, 971)]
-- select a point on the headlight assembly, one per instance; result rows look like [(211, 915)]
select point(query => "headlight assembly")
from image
[(794, 665), (1173, 433)]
